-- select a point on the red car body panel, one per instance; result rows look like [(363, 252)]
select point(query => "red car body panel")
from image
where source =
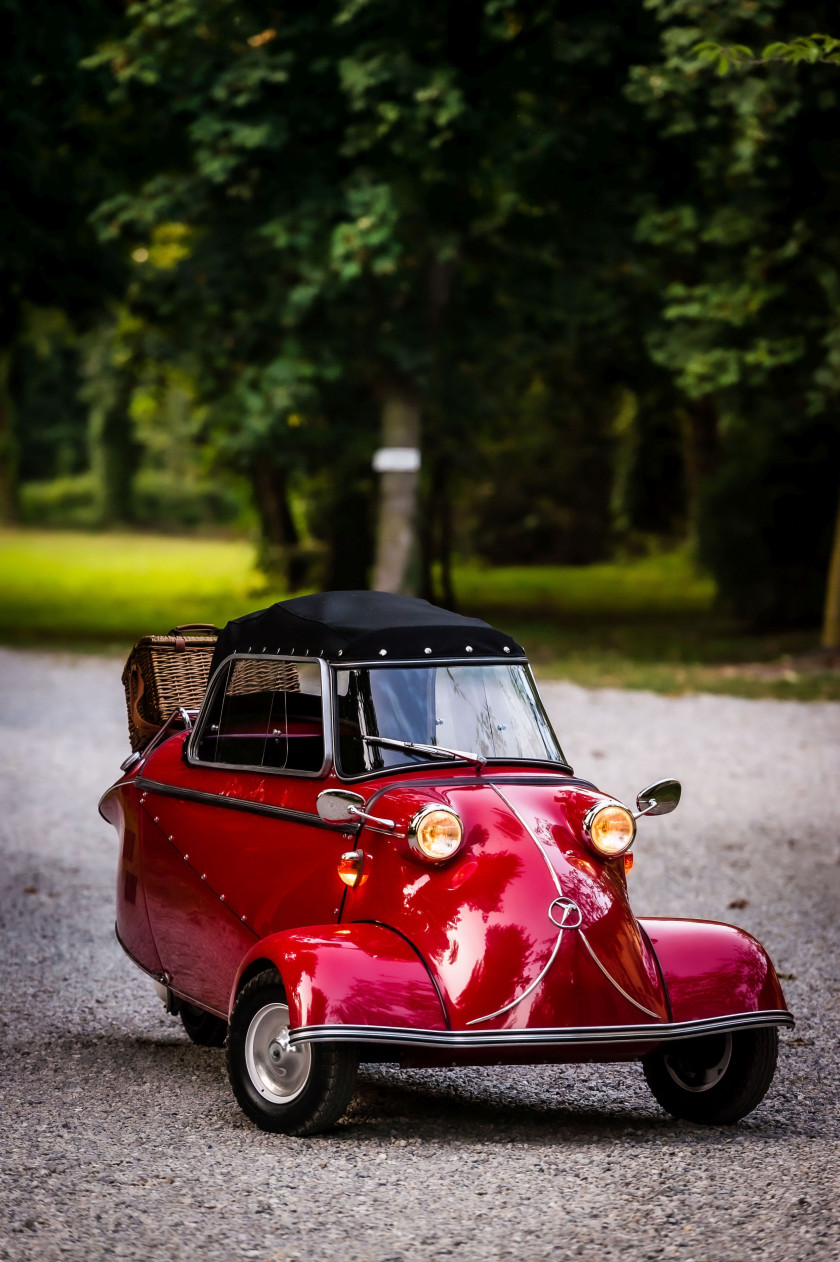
[(712, 968), (277, 873), (350, 975), (199, 941), (228, 868), (121, 807), (482, 920)]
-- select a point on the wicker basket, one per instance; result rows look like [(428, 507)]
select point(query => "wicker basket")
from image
[(164, 672)]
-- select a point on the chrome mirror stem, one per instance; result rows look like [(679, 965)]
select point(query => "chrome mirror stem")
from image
[(371, 819)]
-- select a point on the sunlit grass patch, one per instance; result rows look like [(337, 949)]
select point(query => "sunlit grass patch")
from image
[(111, 588), (648, 623), (643, 589)]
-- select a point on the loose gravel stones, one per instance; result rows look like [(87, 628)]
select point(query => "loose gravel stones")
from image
[(121, 1139)]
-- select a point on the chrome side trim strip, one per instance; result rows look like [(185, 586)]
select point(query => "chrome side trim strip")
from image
[(527, 991), (555, 878), (656, 1016), (499, 1039), (490, 1015), (239, 804)]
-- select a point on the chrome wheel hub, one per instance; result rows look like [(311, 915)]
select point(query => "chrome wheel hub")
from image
[(700, 1064), (278, 1071)]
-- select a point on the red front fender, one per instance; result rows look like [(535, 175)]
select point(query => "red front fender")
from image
[(713, 969), (358, 974)]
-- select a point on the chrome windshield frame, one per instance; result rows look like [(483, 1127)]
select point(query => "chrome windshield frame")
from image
[(437, 764)]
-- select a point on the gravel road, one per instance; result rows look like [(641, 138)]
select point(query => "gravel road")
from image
[(121, 1139)]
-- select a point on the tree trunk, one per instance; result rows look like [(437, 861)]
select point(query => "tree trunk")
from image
[(9, 505), (447, 587), (117, 455), (699, 424), (436, 537), (280, 542), (426, 545), (350, 533), (396, 564), (831, 615)]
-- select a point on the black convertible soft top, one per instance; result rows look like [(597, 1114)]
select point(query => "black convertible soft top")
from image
[(362, 626)]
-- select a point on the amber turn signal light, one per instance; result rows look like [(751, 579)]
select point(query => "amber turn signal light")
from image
[(629, 860), (350, 866)]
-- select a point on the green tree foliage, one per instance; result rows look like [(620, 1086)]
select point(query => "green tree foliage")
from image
[(810, 49), (51, 421), (744, 242), (64, 153), (368, 200), (586, 254)]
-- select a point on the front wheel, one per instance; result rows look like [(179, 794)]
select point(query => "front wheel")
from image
[(292, 1090), (715, 1080)]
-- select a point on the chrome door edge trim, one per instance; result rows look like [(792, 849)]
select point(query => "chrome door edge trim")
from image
[(543, 1037), (238, 804)]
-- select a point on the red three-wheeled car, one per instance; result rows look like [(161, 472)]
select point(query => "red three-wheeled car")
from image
[(367, 844)]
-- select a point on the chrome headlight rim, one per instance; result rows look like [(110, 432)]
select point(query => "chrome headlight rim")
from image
[(413, 839), (589, 819)]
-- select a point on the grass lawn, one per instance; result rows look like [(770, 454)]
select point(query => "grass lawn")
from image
[(647, 623), (74, 590)]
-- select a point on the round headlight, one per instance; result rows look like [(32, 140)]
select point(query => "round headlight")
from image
[(435, 833), (609, 829)]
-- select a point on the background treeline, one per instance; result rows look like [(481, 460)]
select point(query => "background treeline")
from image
[(244, 245)]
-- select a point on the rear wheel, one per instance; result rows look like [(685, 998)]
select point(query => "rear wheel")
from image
[(293, 1090), (202, 1027), (714, 1080)]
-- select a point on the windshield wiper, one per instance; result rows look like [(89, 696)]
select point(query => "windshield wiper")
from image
[(435, 751)]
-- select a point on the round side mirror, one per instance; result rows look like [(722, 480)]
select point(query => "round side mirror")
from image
[(660, 798), (333, 805)]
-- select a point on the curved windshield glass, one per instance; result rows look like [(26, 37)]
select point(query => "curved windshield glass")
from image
[(486, 712)]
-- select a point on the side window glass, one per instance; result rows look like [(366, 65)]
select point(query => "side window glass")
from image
[(266, 714)]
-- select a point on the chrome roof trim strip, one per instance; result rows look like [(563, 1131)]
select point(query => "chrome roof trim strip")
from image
[(349, 663), (542, 1037)]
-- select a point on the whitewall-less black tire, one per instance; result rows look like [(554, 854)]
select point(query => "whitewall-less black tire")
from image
[(715, 1080), (204, 1028), (300, 1090)]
